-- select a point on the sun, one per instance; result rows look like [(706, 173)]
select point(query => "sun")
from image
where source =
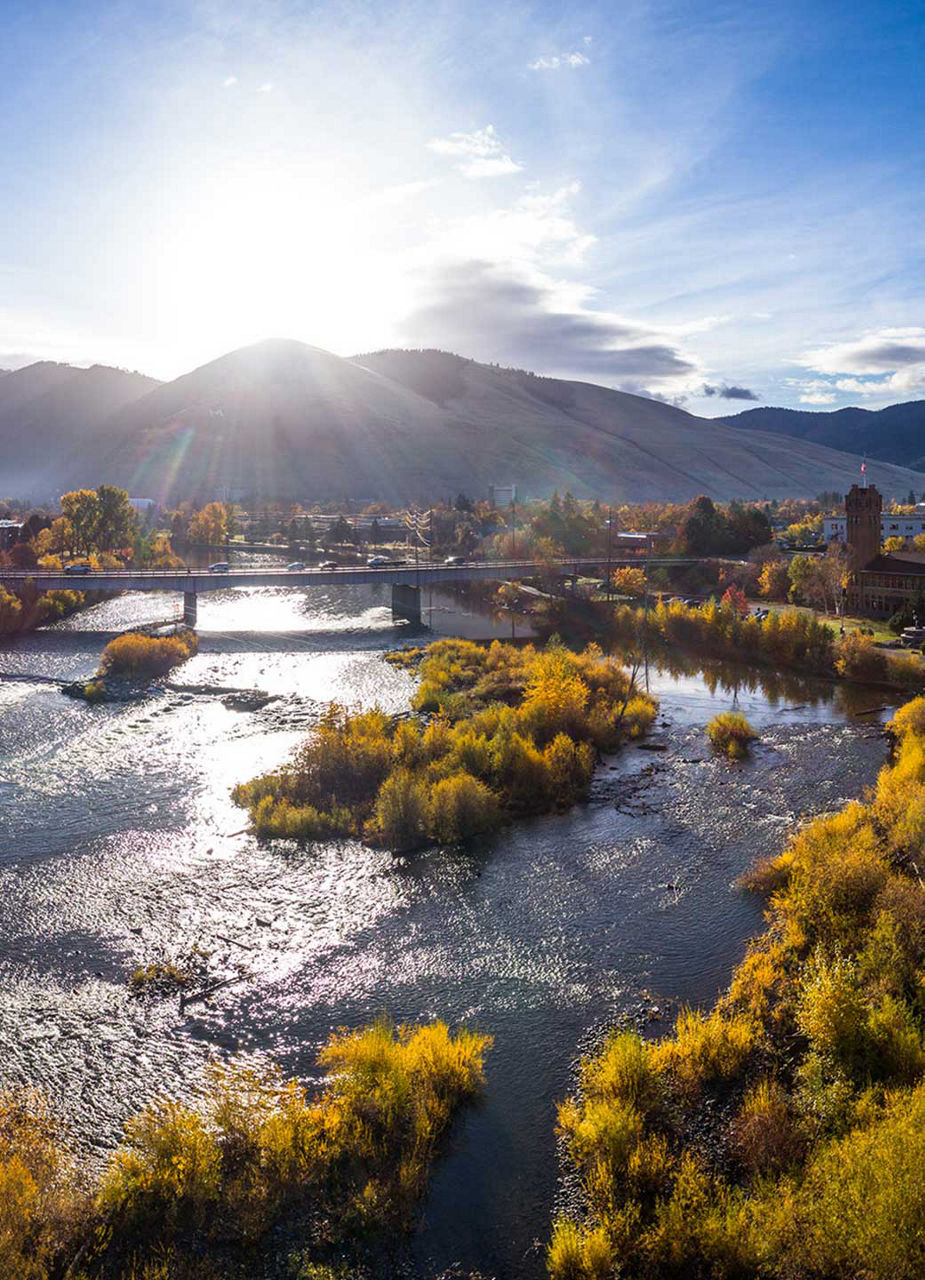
[(273, 249)]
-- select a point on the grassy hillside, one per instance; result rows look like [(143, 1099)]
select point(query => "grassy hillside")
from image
[(282, 420)]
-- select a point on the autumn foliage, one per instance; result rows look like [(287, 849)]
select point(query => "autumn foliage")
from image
[(213, 1177), (782, 1134), (136, 656), (510, 732)]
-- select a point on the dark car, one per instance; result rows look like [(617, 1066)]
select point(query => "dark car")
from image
[(78, 568), (455, 560), (328, 564), (296, 567), (220, 566)]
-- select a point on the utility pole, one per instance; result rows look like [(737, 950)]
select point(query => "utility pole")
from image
[(609, 553)]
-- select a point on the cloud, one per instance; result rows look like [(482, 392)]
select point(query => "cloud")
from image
[(557, 60), (882, 352), (229, 81), (480, 154), (266, 88), (891, 362), (492, 311), (818, 397), (726, 392)]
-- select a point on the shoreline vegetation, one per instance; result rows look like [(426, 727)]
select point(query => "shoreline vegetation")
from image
[(782, 1134), (500, 732), (787, 639), (205, 1189)]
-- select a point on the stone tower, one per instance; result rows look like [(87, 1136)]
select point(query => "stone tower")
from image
[(862, 534)]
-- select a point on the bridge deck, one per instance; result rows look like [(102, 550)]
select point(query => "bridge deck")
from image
[(199, 580)]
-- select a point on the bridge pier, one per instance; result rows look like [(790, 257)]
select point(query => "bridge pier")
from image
[(189, 609), (406, 602)]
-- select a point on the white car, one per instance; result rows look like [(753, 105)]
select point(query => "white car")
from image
[(379, 562)]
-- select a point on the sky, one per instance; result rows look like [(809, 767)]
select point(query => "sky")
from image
[(718, 204)]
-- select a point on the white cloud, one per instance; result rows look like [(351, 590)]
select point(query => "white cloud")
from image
[(229, 81), (818, 397), (884, 351), (537, 228), (890, 362), (480, 154), (266, 88), (557, 60)]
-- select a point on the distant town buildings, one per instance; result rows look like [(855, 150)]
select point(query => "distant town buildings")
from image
[(891, 526), (10, 531)]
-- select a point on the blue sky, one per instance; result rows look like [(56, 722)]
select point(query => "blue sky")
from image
[(707, 202)]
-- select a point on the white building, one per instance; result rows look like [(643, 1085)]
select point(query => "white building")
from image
[(891, 526)]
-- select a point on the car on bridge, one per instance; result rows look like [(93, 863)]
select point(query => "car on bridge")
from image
[(220, 566), (296, 567), (327, 565), (379, 562), (454, 560), (78, 567)]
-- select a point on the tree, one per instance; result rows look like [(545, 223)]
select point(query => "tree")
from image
[(116, 521), (774, 580), (894, 544), (57, 538), (734, 598), (209, 525), (81, 507), (629, 582), (340, 531), (819, 579)]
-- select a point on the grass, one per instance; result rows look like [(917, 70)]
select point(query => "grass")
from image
[(780, 1134)]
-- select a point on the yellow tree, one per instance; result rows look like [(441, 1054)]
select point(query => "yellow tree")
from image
[(629, 582), (774, 580), (894, 544), (210, 525), (82, 508)]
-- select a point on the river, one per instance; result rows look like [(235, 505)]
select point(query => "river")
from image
[(119, 844)]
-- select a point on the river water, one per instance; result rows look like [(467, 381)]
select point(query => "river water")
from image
[(119, 844)]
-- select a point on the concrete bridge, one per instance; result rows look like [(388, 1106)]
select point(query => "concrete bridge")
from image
[(405, 580)]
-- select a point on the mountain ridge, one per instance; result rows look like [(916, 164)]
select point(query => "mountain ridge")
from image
[(281, 420), (894, 434)]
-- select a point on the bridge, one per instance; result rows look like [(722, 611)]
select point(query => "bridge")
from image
[(406, 581)]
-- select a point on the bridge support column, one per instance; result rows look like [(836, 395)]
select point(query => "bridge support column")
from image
[(406, 602), (189, 609)]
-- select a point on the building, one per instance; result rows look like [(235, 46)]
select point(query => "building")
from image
[(891, 526), (878, 583), (10, 532)]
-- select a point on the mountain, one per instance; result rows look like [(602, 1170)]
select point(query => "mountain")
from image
[(51, 424), (895, 434), (284, 421)]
